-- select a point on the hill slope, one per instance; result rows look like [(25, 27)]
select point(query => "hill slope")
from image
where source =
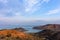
[(54, 27), (16, 35)]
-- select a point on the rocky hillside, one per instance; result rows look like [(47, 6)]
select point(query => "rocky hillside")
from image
[(13, 33), (48, 35), (49, 32), (16, 35), (54, 27)]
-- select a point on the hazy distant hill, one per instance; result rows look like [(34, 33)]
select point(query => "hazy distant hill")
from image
[(20, 29), (55, 27)]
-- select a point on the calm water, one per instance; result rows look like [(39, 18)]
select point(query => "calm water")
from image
[(29, 28)]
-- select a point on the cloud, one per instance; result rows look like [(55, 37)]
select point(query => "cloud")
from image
[(10, 8), (29, 5), (54, 11), (33, 5), (26, 6), (4, 1), (14, 10), (46, 0)]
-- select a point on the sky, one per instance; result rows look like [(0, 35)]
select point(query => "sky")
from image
[(19, 11)]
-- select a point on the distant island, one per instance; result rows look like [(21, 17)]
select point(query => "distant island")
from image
[(54, 27)]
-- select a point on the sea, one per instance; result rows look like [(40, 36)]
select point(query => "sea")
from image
[(27, 27)]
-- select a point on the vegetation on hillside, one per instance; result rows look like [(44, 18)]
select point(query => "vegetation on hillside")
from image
[(16, 34)]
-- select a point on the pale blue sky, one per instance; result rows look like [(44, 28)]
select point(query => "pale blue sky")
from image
[(29, 10)]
